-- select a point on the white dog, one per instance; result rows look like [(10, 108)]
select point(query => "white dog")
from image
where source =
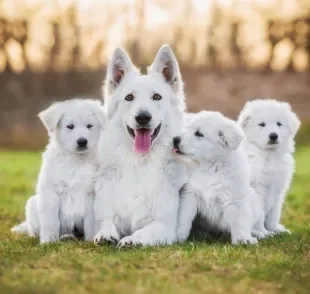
[(218, 190), (65, 190), (270, 127), (137, 189)]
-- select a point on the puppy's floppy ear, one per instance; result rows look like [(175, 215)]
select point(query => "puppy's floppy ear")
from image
[(293, 121), (244, 122), (231, 135), (166, 64), (51, 116), (244, 116), (119, 67), (100, 114)]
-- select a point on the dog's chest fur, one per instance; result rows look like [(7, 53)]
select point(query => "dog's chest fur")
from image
[(72, 180), (142, 193), (271, 174)]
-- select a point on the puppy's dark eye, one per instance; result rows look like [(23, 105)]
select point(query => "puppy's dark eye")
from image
[(70, 127), (129, 97), (279, 124), (156, 97), (89, 126), (198, 134), (262, 124)]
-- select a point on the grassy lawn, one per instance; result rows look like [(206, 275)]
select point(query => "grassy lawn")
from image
[(278, 265)]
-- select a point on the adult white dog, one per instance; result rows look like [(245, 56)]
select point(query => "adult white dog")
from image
[(270, 127), (65, 190), (218, 190), (137, 188)]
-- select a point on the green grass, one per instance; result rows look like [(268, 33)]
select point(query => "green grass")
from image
[(278, 265)]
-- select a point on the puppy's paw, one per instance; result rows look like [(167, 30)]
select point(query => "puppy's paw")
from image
[(103, 238), (259, 235), (269, 234), (244, 240), (129, 242), (279, 229), (67, 237)]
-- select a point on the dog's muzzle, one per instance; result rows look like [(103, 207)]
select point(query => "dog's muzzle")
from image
[(273, 139), (176, 145)]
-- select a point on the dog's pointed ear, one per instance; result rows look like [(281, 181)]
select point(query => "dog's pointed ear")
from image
[(119, 66), (231, 135), (166, 64), (293, 120), (51, 116)]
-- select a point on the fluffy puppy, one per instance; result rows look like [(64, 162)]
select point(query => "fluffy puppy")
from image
[(270, 127), (64, 200), (218, 190)]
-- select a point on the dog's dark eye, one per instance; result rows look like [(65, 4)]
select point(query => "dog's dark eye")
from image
[(89, 126), (262, 124), (129, 97), (70, 127), (279, 124), (156, 97), (198, 134)]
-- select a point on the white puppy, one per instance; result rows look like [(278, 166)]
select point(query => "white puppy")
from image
[(270, 127), (65, 190), (137, 188), (219, 190)]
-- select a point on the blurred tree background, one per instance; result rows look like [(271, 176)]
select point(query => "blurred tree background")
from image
[(230, 51)]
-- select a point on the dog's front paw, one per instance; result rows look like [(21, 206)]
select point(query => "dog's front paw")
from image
[(269, 234), (106, 236), (67, 237), (279, 229), (244, 240), (129, 242), (259, 235)]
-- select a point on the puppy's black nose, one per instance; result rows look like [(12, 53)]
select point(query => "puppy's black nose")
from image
[(273, 137), (82, 142), (176, 142), (143, 118)]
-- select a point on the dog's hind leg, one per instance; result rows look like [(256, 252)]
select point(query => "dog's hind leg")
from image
[(21, 228), (31, 226), (32, 216)]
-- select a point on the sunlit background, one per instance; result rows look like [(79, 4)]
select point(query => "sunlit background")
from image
[(230, 51)]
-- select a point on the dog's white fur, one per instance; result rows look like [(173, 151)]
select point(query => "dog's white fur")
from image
[(272, 166), (65, 189), (137, 196), (219, 190)]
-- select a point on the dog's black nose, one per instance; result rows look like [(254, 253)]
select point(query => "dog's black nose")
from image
[(273, 137), (82, 142), (176, 142), (143, 118)]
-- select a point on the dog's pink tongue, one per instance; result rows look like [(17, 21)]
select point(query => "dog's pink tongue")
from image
[(143, 140)]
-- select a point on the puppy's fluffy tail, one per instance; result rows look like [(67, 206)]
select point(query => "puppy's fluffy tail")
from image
[(21, 229)]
